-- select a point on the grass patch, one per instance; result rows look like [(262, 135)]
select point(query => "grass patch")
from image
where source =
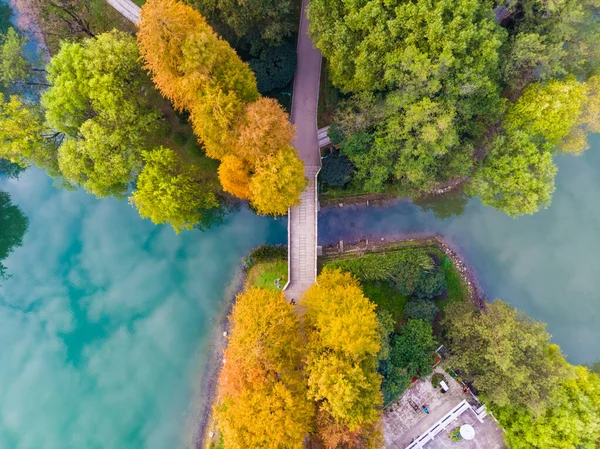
[(454, 286), (264, 274), (386, 298)]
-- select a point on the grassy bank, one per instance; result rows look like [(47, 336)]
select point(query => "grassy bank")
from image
[(381, 291)]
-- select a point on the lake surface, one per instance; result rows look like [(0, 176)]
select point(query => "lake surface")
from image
[(105, 323), (545, 264)]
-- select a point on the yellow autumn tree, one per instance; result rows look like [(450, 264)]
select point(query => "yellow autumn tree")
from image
[(341, 325), (186, 57), (262, 401), (277, 183), (234, 177), (201, 73), (265, 130)]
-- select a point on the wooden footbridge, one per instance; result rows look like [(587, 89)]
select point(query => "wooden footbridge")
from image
[(302, 219)]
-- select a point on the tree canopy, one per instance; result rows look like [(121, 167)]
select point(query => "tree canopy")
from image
[(507, 355), (201, 73), (98, 100), (171, 191), (571, 420), (24, 138), (517, 175), (434, 67), (253, 25), (437, 87), (262, 391), (342, 329)]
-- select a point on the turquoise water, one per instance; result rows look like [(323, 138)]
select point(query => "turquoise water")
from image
[(546, 264), (104, 324)]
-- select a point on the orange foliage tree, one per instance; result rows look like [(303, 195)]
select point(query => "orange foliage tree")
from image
[(341, 325), (262, 390), (201, 73)]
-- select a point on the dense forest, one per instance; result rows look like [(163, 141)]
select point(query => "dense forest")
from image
[(439, 90)]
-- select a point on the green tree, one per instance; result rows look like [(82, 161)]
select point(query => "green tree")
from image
[(437, 64), (547, 111), (14, 226), (507, 355), (517, 176), (430, 284), (99, 99), (252, 25), (171, 191), (420, 310), (572, 419), (567, 30), (24, 138), (412, 350), (531, 58)]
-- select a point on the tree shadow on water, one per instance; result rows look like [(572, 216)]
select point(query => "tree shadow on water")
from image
[(445, 206), (13, 225)]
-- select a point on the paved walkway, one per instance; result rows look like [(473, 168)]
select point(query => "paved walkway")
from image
[(302, 220), (127, 8)]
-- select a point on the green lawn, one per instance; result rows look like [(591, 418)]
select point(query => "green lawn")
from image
[(263, 274), (454, 285), (386, 298)]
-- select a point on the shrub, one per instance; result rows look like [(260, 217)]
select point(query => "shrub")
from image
[(436, 379), (421, 309), (337, 170), (276, 69), (430, 284), (181, 138), (335, 133), (394, 382), (265, 253), (407, 263), (412, 349)]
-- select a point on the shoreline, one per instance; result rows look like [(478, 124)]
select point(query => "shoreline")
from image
[(216, 343)]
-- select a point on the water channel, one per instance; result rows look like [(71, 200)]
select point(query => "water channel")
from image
[(105, 322)]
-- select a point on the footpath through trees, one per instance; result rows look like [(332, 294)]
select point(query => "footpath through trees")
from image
[(302, 219)]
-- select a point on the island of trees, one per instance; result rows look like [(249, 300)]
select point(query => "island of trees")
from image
[(327, 366)]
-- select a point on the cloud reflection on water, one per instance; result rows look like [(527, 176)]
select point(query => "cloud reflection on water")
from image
[(106, 319)]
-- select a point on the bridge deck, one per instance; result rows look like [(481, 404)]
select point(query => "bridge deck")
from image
[(127, 8), (302, 221)]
